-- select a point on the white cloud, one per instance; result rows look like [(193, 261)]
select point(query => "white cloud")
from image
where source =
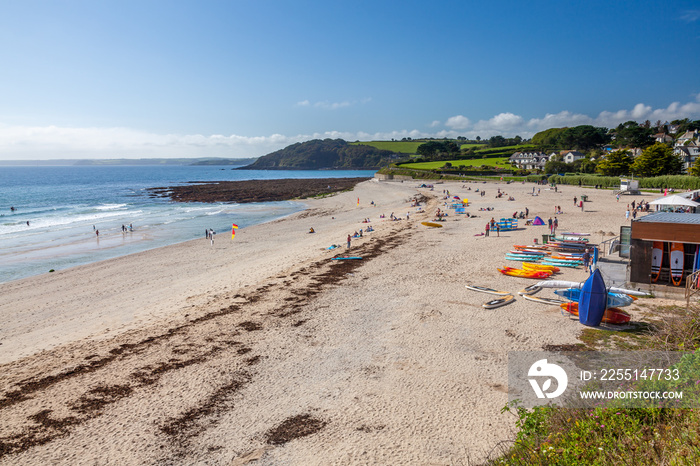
[(53, 142), (691, 16), (434, 123), (458, 122), (503, 122), (326, 105)]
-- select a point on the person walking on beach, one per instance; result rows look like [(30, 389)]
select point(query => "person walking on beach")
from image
[(97, 233), (487, 229), (349, 239), (549, 223), (574, 201), (581, 206), (627, 214), (498, 230), (587, 261), (212, 237), (555, 225)]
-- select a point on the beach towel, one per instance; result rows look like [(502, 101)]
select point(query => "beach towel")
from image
[(538, 221)]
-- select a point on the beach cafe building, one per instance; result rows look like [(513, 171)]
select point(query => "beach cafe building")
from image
[(664, 229)]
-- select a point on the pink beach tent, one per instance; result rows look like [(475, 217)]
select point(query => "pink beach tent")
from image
[(537, 221)]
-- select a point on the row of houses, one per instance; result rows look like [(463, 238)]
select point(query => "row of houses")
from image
[(686, 146), (536, 160)]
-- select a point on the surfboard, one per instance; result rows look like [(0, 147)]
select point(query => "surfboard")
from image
[(657, 256), (677, 258), (345, 258), (594, 297), (431, 224), (494, 303), (532, 289), (569, 284), (483, 289), (550, 301)]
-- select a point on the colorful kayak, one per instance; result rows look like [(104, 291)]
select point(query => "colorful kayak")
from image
[(614, 299), (524, 273), (546, 268), (677, 259), (562, 264), (592, 303), (612, 315), (346, 258)]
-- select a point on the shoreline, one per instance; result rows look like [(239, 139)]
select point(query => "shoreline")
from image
[(201, 353)]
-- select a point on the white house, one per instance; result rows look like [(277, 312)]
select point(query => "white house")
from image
[(571, 156), (688, 154), (529, 160)]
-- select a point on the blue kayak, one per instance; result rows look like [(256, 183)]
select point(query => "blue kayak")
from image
[(593, 300), (614, 299)]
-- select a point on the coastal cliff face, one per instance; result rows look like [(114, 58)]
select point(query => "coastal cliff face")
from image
[(323, 154)]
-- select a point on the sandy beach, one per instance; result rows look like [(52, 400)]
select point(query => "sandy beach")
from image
[(261, 350)]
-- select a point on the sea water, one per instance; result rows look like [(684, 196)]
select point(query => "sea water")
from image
[(58, 209)]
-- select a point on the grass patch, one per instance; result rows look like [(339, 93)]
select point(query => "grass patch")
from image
[(403, 147), (490, 162), (607, 434)]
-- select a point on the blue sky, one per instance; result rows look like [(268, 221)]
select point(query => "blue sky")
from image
[(242, 78)]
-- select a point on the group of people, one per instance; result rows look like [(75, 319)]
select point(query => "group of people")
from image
[(209, 233)]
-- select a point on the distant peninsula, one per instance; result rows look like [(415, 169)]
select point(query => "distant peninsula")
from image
[(326, 154)]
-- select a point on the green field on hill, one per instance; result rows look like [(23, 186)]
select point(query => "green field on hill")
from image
[(404, 147), (491, 162)]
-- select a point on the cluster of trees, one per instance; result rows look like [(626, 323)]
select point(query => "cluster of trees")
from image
[(582, 138), (656, 160), (438, 150), (500, 141)]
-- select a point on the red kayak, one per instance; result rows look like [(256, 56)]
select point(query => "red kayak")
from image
[(613, 315)]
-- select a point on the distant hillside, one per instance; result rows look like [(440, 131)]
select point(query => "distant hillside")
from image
[(324, 154), (165, 161), (226, 161)]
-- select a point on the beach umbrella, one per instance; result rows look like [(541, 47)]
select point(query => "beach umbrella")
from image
[(675, 200)]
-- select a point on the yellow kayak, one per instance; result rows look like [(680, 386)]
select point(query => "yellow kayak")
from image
[(548, 268)]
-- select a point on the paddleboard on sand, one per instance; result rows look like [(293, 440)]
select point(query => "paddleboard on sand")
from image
[(499, 302), (657, 256), (593, 300), (532, 289), (346, 258), (677, 259), (431, 224), (483, 289), (550, 301)]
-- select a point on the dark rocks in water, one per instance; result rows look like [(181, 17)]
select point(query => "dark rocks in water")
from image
[(255, 190)]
